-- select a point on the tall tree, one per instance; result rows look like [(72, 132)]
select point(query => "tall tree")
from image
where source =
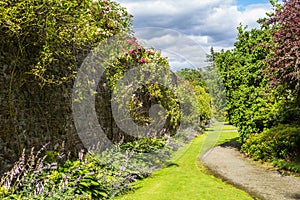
[(194, 76), (196, 97), (215, 86), (251, 106), (284, 62)]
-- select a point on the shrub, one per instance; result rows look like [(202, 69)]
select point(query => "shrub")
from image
[(144, 145), (278, 144)]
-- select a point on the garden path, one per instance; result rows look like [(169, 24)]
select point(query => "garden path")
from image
[(225, 161)]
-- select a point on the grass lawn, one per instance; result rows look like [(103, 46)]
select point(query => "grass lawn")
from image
[(186, 178), (224, 126)]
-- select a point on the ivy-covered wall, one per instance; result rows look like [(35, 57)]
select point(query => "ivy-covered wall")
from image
[(42, 45)]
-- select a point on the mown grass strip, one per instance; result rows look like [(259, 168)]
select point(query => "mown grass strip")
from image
[(186, 178)]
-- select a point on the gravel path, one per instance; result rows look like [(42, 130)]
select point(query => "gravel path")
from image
[(229, 164)]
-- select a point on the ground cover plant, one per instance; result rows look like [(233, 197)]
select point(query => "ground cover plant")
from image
[(89, 176)]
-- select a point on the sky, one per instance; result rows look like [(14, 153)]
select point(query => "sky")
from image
[(186, 30)]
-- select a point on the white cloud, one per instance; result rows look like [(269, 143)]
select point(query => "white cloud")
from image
[(174, 44), (150, 8), (168, 7), (202, 23), (252, 13)]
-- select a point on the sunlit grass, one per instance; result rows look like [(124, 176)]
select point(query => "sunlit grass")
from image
[(185, 177)]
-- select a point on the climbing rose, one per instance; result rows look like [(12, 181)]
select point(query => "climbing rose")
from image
[(143, 60)]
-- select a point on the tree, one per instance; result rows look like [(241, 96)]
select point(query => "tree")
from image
[(215, 86), (283, 64), (196, 97), (250, 103), (261, 78), (194, 76)]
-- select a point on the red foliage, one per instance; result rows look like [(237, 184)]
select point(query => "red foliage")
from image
[(284, 64)]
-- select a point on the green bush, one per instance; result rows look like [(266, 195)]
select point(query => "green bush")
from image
[(279, 145), (144, 145)]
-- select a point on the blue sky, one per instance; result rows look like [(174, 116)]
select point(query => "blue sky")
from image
[(207, 23), (242, 4), (249, 2)]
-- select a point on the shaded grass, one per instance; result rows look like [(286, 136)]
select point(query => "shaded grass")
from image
[(222, 126), (228, 128), (186, 178)]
